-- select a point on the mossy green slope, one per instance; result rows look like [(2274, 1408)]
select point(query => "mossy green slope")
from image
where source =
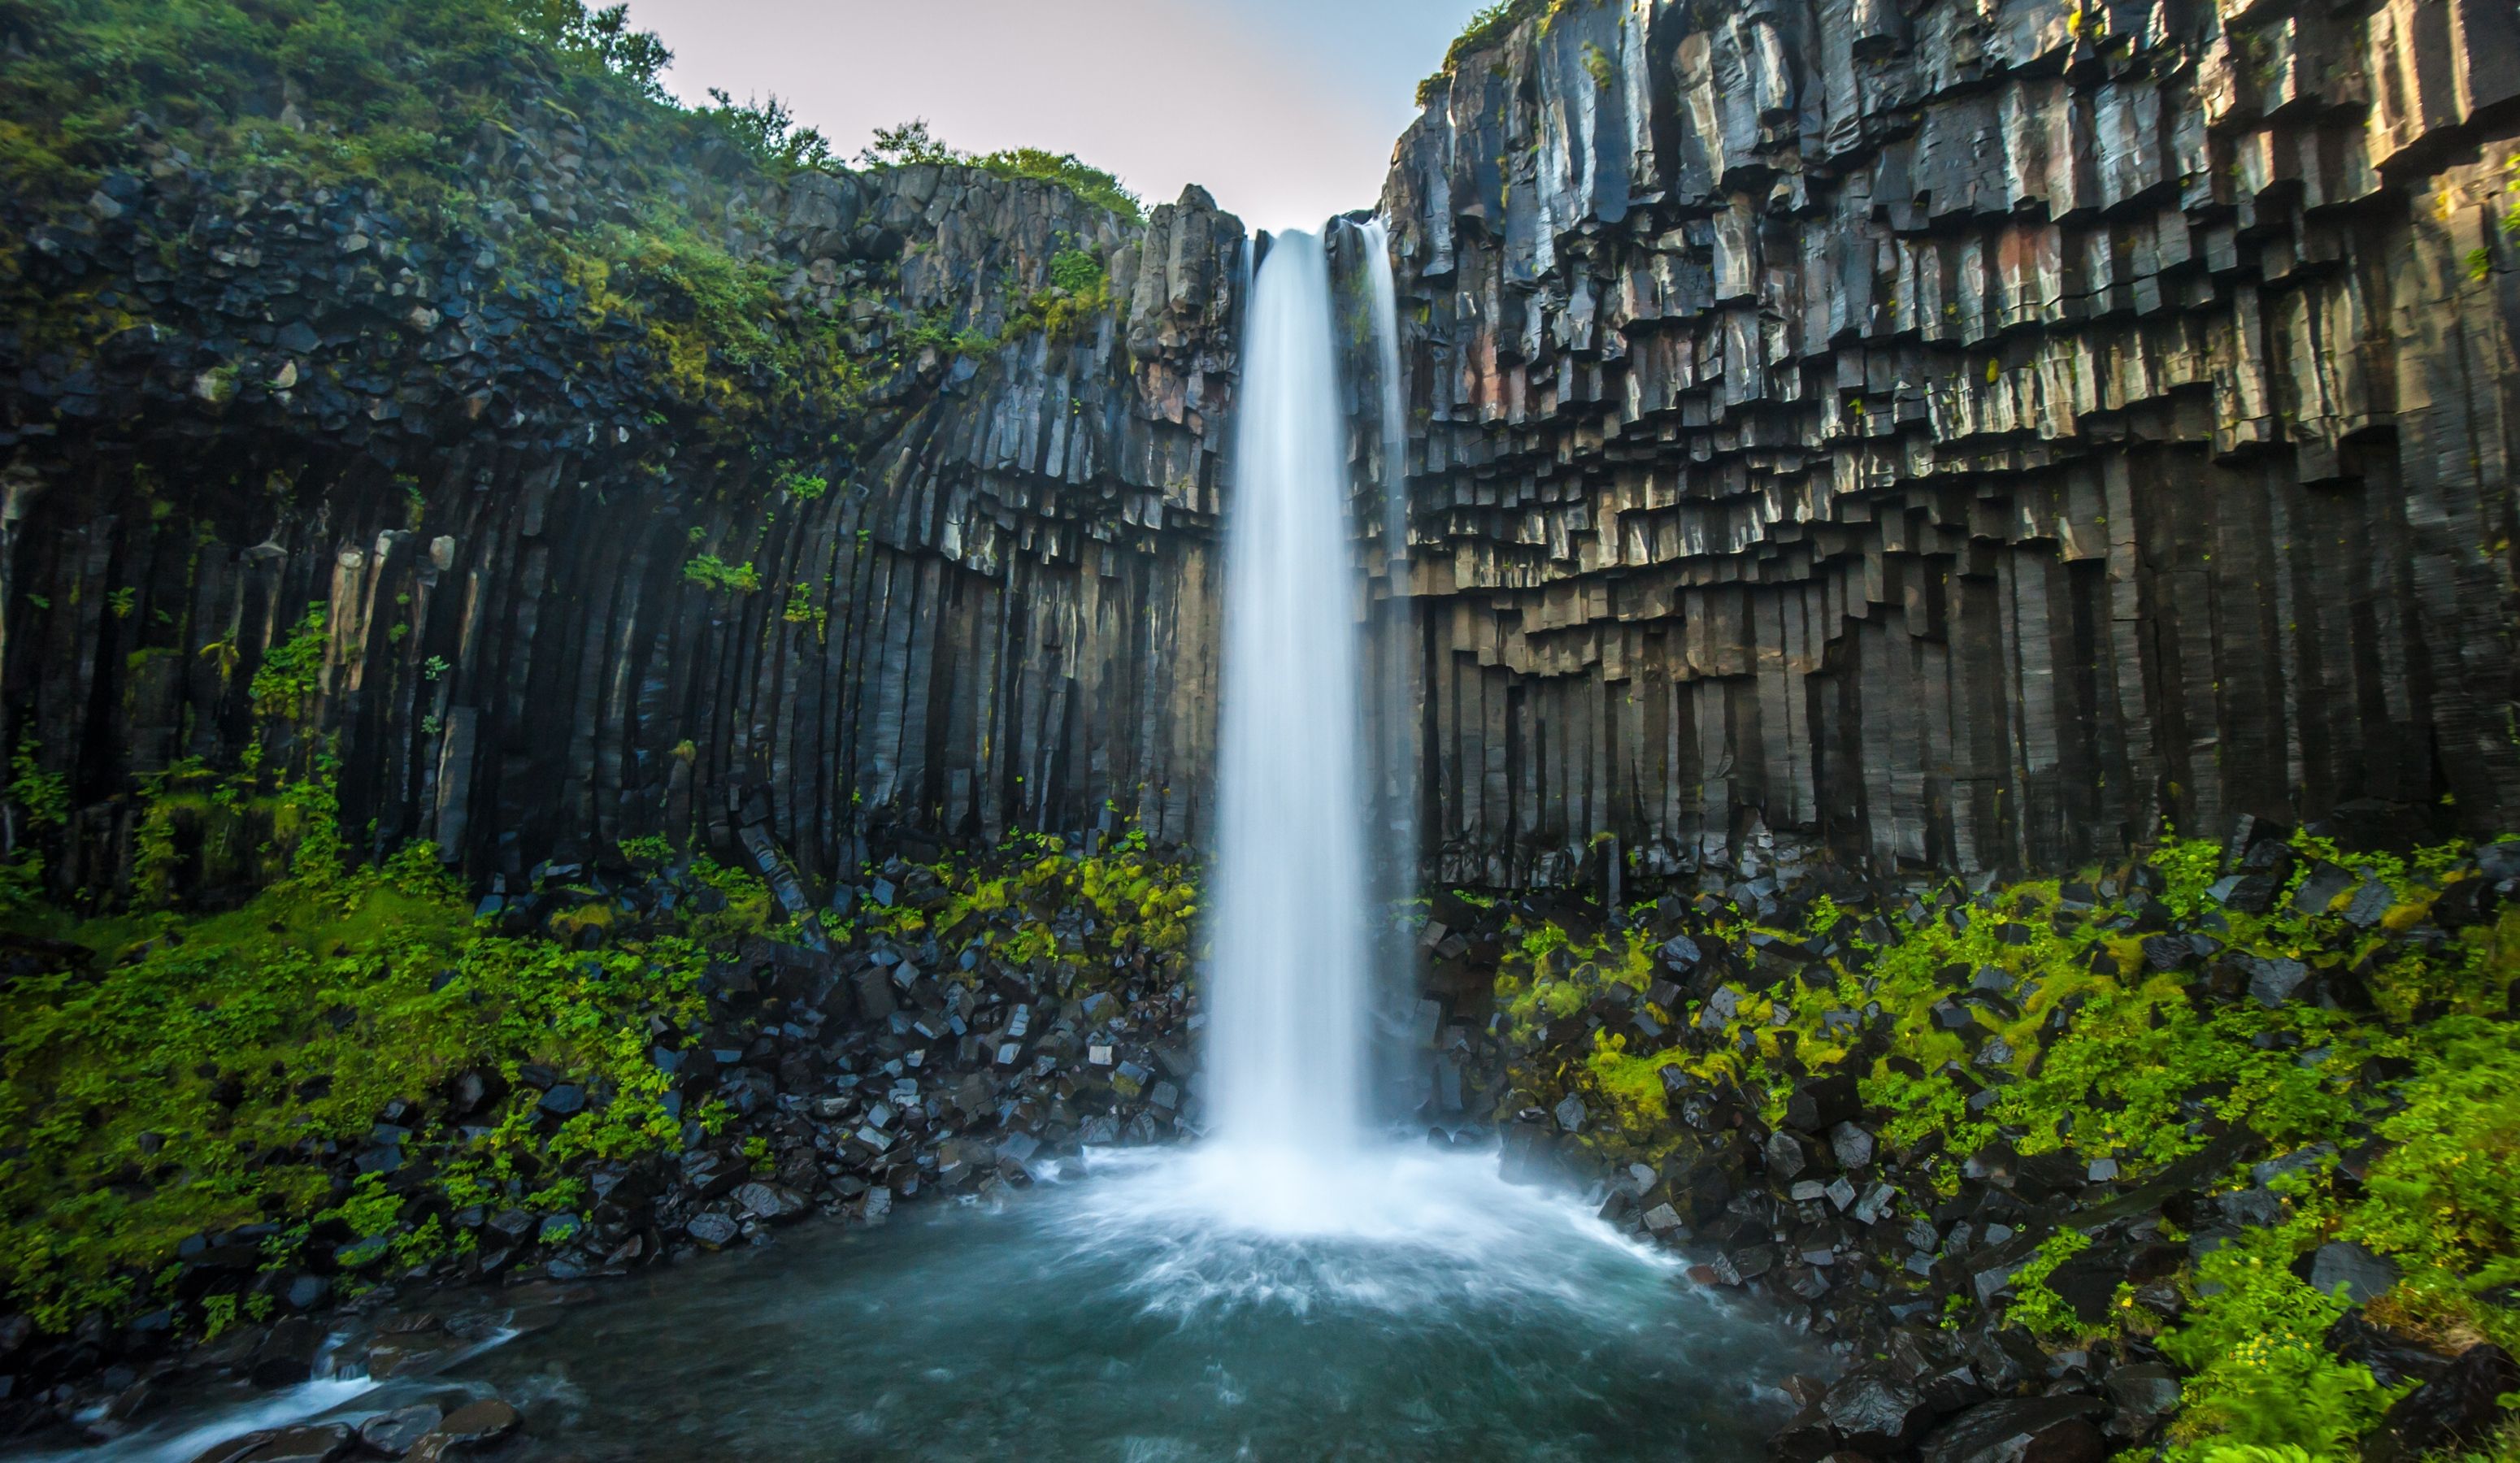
[(2056, 1016)]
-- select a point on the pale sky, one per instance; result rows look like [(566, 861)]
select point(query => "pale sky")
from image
[(1286, 110)]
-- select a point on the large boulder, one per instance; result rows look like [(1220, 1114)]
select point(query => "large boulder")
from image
[(1875, 1414), (2022, 1429), (2452, 1411), (472, 1426), (311, 1442)]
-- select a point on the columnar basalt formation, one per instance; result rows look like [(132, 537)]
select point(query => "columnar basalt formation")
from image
[(1963, 434), (575, 593)]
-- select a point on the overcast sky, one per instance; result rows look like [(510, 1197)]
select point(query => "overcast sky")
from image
[(1286, 110)]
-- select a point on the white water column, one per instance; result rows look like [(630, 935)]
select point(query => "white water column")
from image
[(1286, 1035)]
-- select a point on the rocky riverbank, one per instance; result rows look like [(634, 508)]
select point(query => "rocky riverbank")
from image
[(2209, 1150), (939, 1033)]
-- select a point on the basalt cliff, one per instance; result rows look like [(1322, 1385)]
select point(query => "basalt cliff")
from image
[(581, 682), (1957, 437), (1964, 436), (756, 508)]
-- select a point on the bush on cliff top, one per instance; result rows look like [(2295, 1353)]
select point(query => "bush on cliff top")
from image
[(912, 143), (1489, 27), (365, 86)]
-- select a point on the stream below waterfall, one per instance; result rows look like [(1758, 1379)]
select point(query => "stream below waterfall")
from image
[(1169, 1304)]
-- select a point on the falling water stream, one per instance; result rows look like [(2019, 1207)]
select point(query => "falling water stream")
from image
[(1300, 1285), (1287, 986)]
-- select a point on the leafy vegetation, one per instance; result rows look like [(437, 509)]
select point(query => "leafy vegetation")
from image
[(913, 143), (42, 798), (1011, 903), (1079, 293), (716, 575), (2037, 1017), (801, 609), (199, 1073), (340, 88), (2263, 1376), (451, 125), (771, 134), (1489, 27), (286, 681)]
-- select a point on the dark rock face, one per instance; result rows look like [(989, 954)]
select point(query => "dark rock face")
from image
[(1961, 434), (991, 609), (1958, 438)]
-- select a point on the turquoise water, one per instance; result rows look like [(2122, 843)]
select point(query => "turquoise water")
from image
[(1160, 1310)]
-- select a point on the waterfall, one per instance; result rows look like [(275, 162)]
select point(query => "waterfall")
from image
[(1287, 1042), (1393, 421), (1394, 747)]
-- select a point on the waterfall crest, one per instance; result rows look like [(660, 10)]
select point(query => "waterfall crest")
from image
[(1286, 1054)]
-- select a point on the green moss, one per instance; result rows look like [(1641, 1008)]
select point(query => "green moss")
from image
[(1606, 75), (801, 609), (1143, 906), (2074, 1041), (204, 1070), (711, 324), (2036, 1307), (1078, 296), (1633, 1083)]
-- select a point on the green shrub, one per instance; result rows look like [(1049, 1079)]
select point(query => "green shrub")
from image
[(913, 142), (804, 487), (717, 576), (768, 131), (285, 685), (2036, 1307), (1076, 271), (2255, 1344), (44, 797)]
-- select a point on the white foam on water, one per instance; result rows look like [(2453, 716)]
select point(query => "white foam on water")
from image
[(327, 1398), (181, 1443), (1395, 1229)]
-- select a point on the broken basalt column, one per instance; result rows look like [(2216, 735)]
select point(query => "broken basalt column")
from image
[(1961, 435)]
